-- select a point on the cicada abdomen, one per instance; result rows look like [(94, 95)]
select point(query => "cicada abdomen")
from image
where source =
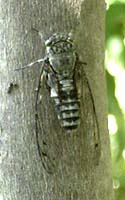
[(68, 106)]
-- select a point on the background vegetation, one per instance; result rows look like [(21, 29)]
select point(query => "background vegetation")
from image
[(115, 73)]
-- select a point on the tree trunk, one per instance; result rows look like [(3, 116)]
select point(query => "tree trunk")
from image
[(79, 163)]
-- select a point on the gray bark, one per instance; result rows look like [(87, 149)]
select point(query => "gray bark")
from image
[(81, 160)]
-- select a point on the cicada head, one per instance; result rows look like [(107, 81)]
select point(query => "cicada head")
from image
[(61, 54)]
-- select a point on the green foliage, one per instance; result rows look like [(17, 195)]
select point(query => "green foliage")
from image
[(115, 74)]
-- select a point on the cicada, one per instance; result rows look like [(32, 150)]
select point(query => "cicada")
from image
[(59, 67)]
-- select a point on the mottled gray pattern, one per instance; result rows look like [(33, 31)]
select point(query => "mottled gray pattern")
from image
[(62, 59)]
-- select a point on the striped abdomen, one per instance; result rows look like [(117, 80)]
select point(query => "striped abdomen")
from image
[(68, 106)]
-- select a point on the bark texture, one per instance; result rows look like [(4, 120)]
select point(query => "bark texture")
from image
[(80, 162)]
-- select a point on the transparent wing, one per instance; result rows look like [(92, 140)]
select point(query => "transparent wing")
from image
[(44, 144), (47, 162), (89, 118), (97, 138)]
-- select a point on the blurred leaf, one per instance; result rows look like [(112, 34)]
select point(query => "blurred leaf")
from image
[(115, 28), (115, 20), (113, 108), (115, 48)]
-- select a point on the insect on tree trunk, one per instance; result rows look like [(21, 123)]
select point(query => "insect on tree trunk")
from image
[(74, 165)]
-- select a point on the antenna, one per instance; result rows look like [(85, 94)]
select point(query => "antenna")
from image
[(33, 63)]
